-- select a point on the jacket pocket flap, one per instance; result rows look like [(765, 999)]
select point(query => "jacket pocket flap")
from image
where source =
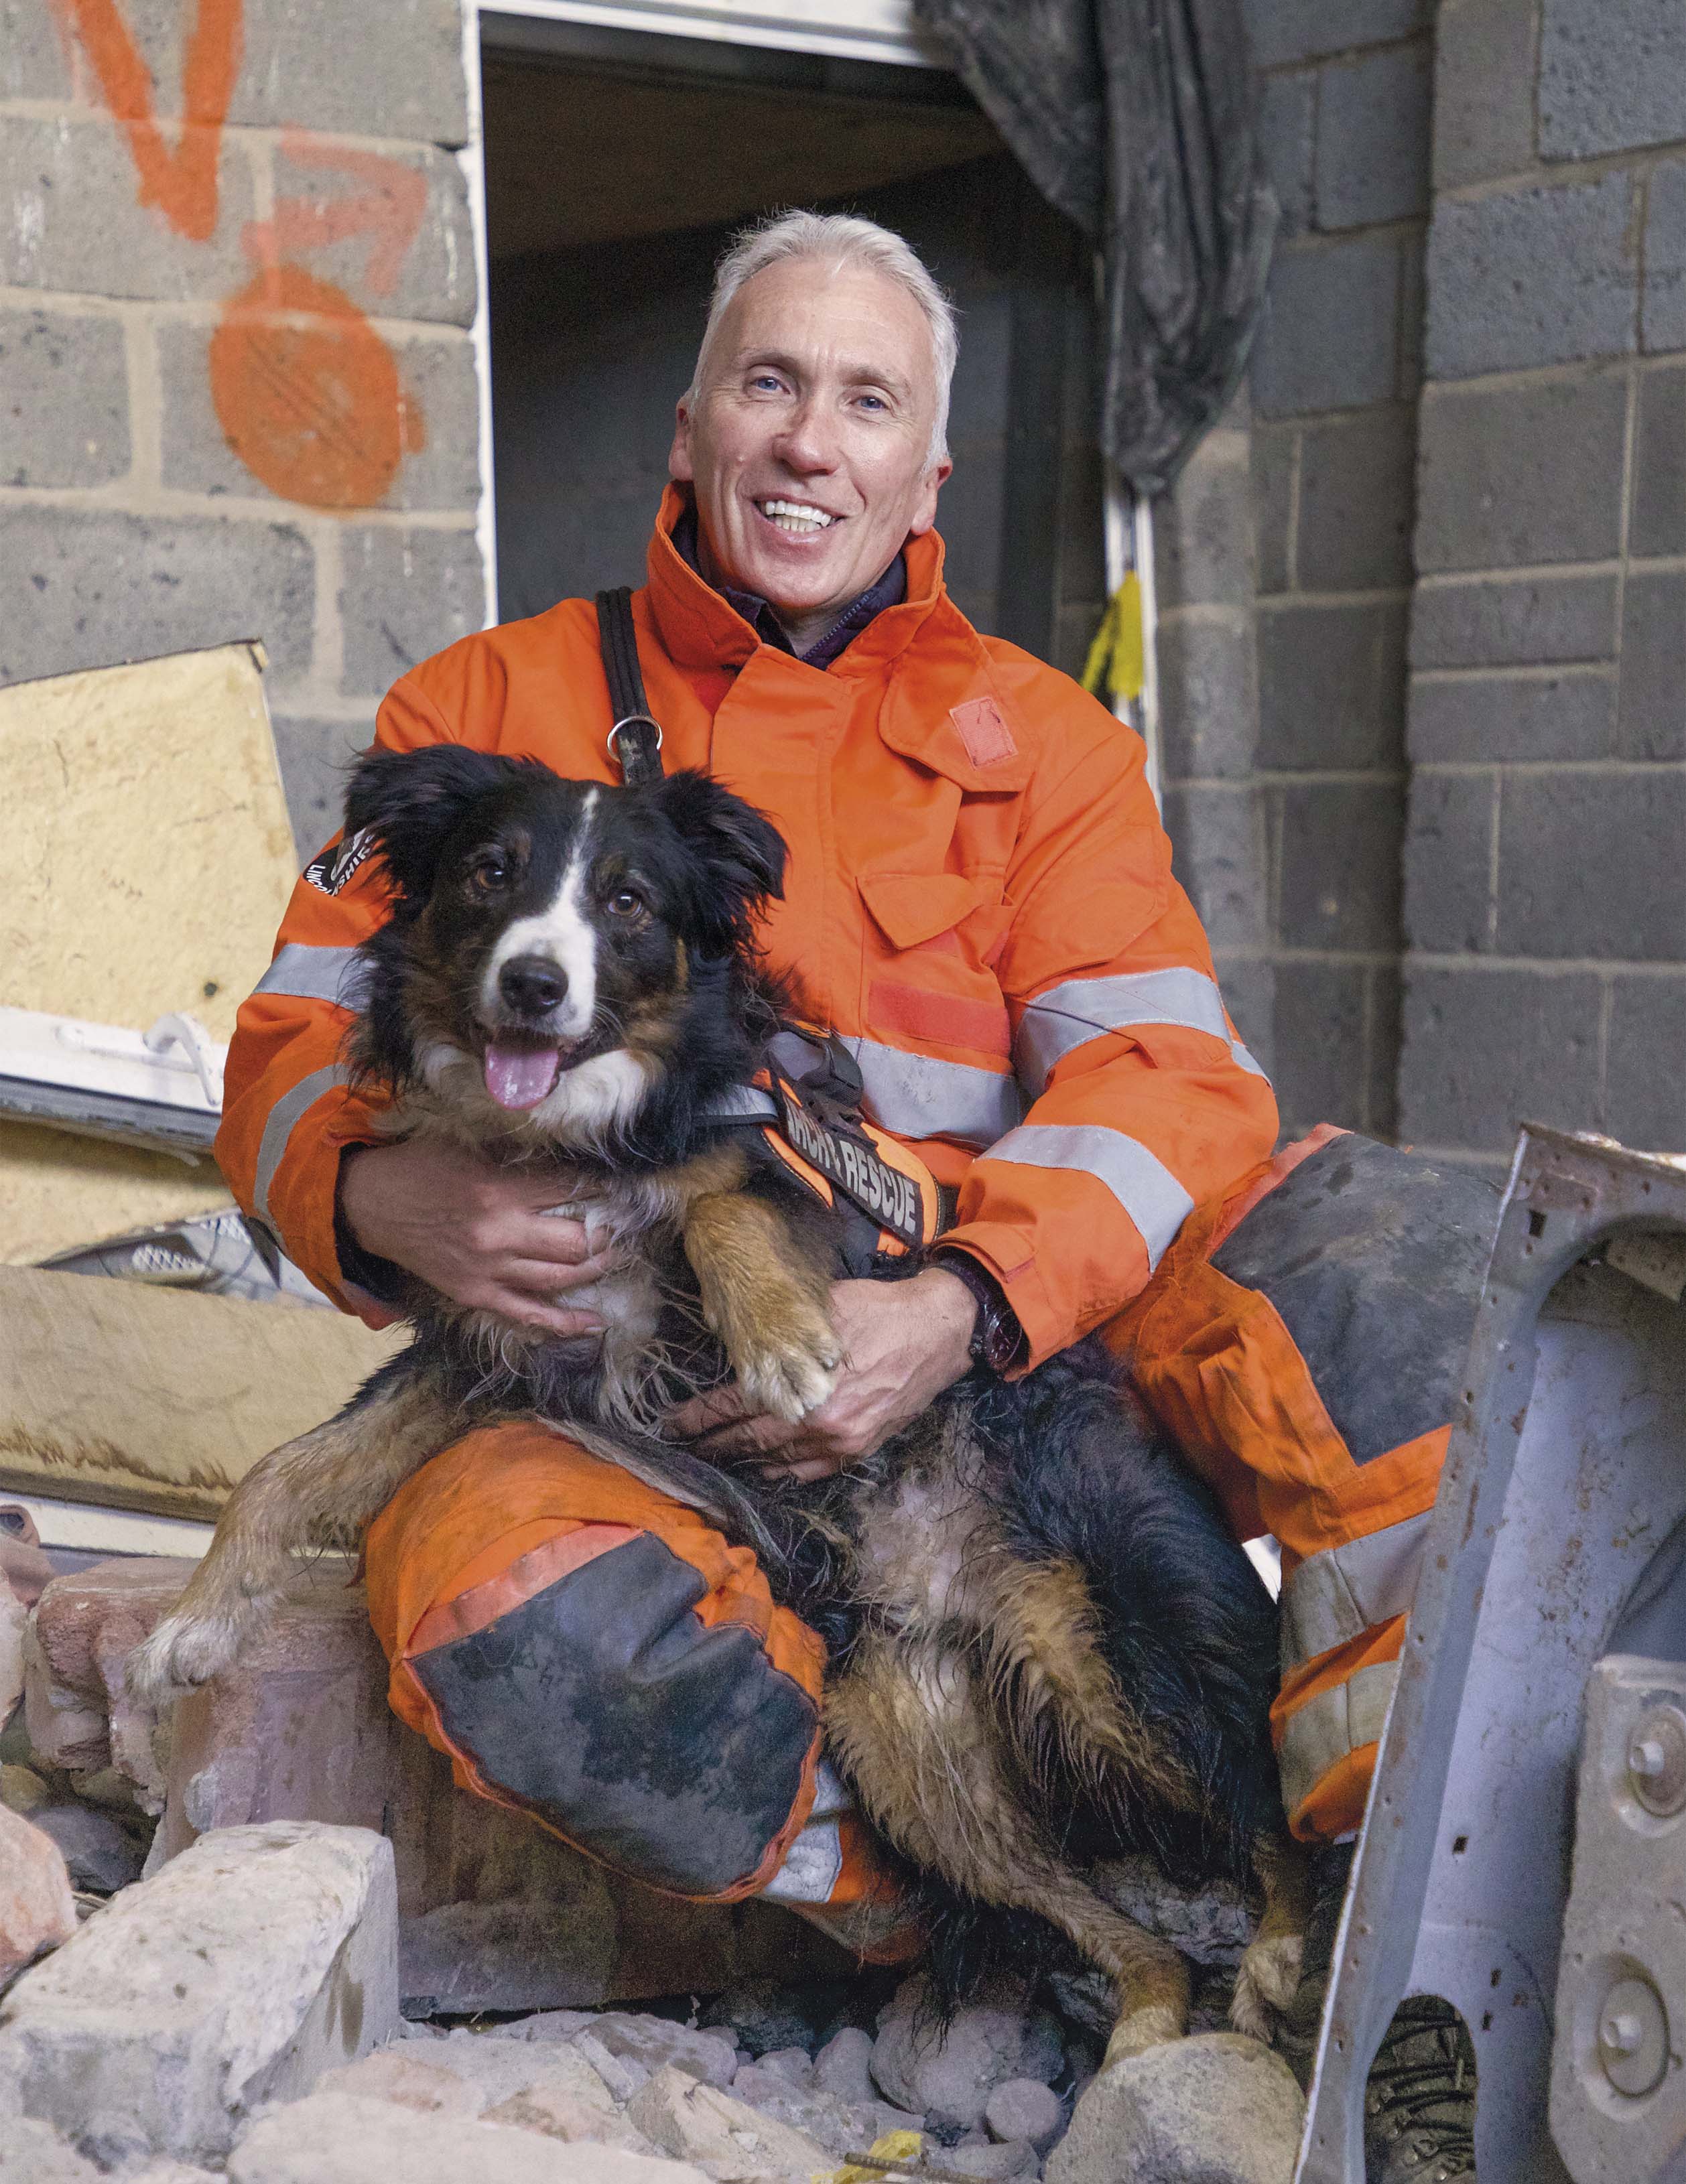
[(914, 907)]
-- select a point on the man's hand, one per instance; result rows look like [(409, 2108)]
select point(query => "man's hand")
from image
[(478, 1233), (903, 1343)]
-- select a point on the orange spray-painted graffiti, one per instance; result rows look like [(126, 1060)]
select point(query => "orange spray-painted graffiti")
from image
[(307, 390)]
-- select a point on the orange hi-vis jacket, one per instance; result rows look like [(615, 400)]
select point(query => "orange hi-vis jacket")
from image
[(979, 901)]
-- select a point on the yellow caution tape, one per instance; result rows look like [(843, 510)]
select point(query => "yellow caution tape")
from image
[(894, 2146), (1113, 668)]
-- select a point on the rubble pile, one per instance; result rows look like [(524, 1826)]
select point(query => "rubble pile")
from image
[(236, 2013)]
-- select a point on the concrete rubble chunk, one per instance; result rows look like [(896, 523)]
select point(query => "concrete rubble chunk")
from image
[(34, 2153), (697, 2122), (948, 2075), (1024, 2107), (501, 2069), (80, 1713), (841, 2065), (37, 1910), (560, 2114), (22, 1790), (336, 2138), (795, 2063), (14, 1621), (650, 2044), (839, 2126), (993, 2163), (102, 1854), (233, 1977), (1215, 2109), (390, 2074), (171, 2172)]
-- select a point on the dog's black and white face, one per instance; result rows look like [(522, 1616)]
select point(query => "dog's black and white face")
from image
[(549, 937)]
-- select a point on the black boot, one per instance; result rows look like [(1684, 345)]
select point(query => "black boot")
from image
[(1418, 2106)]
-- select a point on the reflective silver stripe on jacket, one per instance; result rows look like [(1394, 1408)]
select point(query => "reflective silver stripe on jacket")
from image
[(340, 975), (1069, 1016), (742, 1103), (1328, 1727), (278, 1131), (1139, 1180), (920, 1098), (1343, 1591)]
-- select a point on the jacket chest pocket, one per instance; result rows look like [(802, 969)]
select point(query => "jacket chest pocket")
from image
[(930, 952)]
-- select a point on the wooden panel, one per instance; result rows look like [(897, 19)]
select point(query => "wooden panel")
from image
[(151, 1399)]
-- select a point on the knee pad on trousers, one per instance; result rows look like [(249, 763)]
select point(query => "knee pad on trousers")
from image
[(596, 1655)]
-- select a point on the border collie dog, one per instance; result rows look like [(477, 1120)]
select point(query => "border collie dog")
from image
[(1045, 1649)]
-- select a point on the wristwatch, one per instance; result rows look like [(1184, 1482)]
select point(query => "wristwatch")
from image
[(998, 1338)]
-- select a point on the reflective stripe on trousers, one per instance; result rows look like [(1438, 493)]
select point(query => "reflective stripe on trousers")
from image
[(1319, 1734), (1343, 1591)]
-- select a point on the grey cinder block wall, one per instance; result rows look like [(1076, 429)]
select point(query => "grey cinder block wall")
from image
[(156, 492)]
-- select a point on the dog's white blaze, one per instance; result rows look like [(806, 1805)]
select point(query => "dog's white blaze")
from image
[(563, 934), (593, 1098)]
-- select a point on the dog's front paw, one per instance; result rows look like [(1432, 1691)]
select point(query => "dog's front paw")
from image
[(182, 1652), (788, 1383), (1138, 2030), (1265, 1984)]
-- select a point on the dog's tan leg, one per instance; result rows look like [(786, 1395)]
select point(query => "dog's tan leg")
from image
[(319, 1489), (770, 1308), (914, 1731), (1269, 1970)]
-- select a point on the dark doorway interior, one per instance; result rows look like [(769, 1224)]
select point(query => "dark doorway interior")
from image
[(617, 167)]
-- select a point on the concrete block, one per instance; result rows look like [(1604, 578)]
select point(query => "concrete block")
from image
[(1447, 863), (1582, 861), (1331, 681), (1483, 89), (233, 1977), (1276, 453), (1514, 476), (1303, 30), (1568, 715), (1651, 720), (1485, 1049), (1645, 1085), (316, 759), (35, 51), (399, 2075), (404, 596), (434, 278), (1664, 303), (90, 588), (372, 68), (74, 220), (1612, 76), (38, 1911), (1413, 282), (64, 419), (1658, 522), (1338, 884), (33, 2153), (1217, 832), (1533, 276), (1357, 491), (340, 2138), (1329, 335), (1209, 695), (1288, 107), (440, 426), (947, 2073), (1526, 620), (80, 1713), (1373, 137), (1217, 2107), (699, 2123), (1202, 530)]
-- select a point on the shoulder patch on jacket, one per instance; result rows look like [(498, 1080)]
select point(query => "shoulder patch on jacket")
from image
[(339, 863), (986, 734)]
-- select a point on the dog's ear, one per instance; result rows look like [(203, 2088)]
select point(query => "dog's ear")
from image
[(407, 802), (739, 858)]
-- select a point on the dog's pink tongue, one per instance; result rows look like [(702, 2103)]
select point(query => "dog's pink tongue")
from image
[(521, 1076)]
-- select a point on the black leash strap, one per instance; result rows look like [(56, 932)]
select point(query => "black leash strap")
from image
[(635, 739)]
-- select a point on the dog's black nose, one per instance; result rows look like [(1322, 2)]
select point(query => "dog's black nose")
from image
[(533, 984)]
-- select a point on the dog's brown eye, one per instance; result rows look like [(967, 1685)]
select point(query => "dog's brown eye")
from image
[(489, 874), (626, 902)]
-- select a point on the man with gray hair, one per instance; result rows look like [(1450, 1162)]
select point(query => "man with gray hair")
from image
[(979, 906)]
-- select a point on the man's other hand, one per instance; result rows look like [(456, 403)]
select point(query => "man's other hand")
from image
[(903, 1343), (478, 1233)]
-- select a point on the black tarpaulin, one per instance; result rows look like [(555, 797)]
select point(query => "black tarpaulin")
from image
[(1134, 118)]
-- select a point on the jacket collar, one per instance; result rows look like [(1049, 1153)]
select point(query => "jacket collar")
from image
[(699, 628)]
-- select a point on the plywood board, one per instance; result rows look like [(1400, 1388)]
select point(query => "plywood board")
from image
[(148, 861), (148, 853), (156, 1400)]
